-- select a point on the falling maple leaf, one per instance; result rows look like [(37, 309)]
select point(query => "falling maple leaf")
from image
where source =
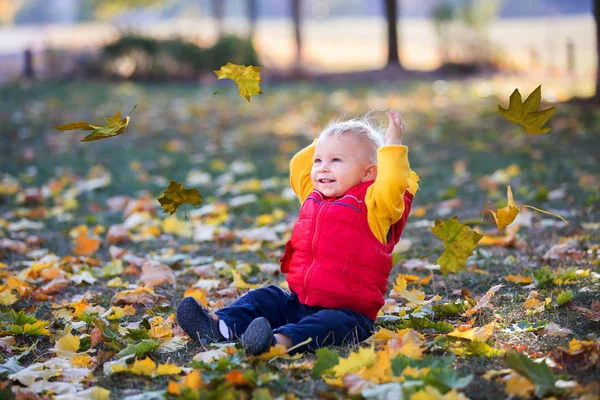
[(526, 113), (247, 78), (175, 195), (506, 215), (114, 126), (460, 242)]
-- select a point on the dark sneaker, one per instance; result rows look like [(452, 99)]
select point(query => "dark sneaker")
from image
[(197, 322), (258, 337)]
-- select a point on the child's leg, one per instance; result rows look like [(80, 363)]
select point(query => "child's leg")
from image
[(271, 302), (328, 327)]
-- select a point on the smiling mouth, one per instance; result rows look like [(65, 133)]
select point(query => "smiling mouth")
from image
[(326, 180)]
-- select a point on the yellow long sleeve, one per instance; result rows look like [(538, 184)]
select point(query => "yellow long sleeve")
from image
[(300, 167), (384, 198)]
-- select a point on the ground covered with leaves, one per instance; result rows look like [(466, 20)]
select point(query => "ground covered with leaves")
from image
[(92, 270)]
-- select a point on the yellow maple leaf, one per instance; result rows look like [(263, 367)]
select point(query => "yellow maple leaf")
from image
[(415, 297), (37, 329), (82, 360), (193, 380), (275, 351), (160, 328), (114, 126), (506, 215), (459, 240), (175, 195), (517, 278), (381, 370), (7, 298), (168, 369), (145, 367), (364, 357), (247, 78), (238, 282), (67, 346), (526, 114), (409, 343), (481, 333), (517, 385), (198, 294)]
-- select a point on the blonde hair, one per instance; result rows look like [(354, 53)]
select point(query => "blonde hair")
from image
[(361, 128)]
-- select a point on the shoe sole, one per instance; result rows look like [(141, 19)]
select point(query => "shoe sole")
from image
[(254, 337), (192, 319)]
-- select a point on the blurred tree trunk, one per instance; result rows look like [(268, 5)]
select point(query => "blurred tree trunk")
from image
[(597, 19), (252, 17), (297, 32), (218, 9), (391, 13)]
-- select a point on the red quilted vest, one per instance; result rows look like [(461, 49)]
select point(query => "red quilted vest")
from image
[(334, 260)]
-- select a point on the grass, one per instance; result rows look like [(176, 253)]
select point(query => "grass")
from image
[(178, 130)]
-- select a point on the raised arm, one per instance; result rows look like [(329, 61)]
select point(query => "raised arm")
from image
[(385, 198), (300, 167)]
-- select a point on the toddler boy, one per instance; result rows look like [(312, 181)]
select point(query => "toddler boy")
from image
[(356, 195)]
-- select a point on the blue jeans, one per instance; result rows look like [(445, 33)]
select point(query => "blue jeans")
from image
[(326, 326)]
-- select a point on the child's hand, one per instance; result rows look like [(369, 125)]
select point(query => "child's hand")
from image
[(395, 129)]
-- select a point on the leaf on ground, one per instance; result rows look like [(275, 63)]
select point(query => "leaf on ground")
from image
[(198, 294), (484, 301), (156, 274), (539, 374), (168, 369), (481, 333), (247, 78), (517, 385), (326, 359), (592, 314), (141, 295), (518, 278), (175, 195), (365, 356), (141, 348), (67, 346), (460, 242), (414, 297), (506, 215), (114, 126), (85, 246), (526, 113), (278, 350)]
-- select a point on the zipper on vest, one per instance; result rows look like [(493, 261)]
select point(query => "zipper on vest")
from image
[(313, 249)]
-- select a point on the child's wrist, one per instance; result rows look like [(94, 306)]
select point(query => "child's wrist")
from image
[(393, 142)]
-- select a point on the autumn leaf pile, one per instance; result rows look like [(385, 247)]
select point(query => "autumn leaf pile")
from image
[(96, 248)]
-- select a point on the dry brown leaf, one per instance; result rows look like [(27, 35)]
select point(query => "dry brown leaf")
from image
[(144, 296), (592, 314), (116, 252), (484, 302), (53, 286), (96, 336), (117, 234), (156, 274)]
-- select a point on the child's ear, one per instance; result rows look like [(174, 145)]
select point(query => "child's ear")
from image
[(370, 173)]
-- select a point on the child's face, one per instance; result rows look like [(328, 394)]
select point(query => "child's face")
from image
[(339, 164)]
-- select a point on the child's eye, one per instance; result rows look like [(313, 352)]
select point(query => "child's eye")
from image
[(336, 160), (316, 160)]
